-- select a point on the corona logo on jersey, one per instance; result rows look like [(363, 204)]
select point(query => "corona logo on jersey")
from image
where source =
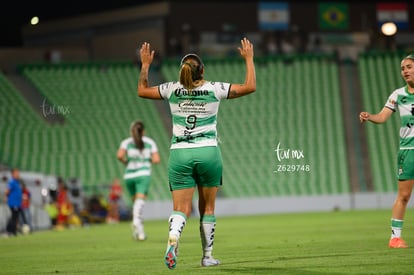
[(183, 92)]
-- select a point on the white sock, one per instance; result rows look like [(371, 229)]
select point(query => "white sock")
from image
[(396, 228), (177, 222), (137, 219), (207, 230)]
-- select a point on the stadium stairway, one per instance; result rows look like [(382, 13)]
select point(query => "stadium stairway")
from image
[(33, 97), (356, 141)]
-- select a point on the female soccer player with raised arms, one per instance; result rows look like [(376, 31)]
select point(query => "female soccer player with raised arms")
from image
[(195, 158)]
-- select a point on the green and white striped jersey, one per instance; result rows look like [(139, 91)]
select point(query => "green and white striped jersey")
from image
[(139, 162), (404, 100), (194, 113)]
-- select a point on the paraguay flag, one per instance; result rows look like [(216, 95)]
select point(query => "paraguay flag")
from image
[(273, 15), (393, 12)]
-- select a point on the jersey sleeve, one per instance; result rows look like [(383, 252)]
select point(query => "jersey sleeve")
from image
[(165, 89), (392, 101), (154, 147), (222, 90), (124, 144)]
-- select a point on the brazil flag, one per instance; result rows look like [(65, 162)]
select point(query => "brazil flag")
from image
[(333, 16)]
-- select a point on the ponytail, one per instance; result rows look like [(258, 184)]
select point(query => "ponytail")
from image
[(186, 77), (191, 72), (137, 129)]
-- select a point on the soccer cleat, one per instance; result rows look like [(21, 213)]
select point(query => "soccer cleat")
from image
[(136, 235), (171, 253), (397, 243), (141, 237), (209, 261)]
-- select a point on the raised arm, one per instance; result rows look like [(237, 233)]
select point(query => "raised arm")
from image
[(147, 56), (379, 118), (249, 86)]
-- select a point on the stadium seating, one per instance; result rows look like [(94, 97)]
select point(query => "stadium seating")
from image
[(295, 109), (98, 103)]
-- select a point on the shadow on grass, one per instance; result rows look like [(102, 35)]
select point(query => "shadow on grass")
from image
[(265, 266)]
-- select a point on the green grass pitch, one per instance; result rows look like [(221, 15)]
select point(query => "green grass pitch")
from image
[(342, 242)]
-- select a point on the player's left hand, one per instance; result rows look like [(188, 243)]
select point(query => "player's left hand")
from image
[(246, 49)]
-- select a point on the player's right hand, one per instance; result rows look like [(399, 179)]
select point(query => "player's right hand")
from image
[(147, 56), (364, 116)]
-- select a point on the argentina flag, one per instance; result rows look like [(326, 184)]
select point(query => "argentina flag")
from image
[(273, 15)]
